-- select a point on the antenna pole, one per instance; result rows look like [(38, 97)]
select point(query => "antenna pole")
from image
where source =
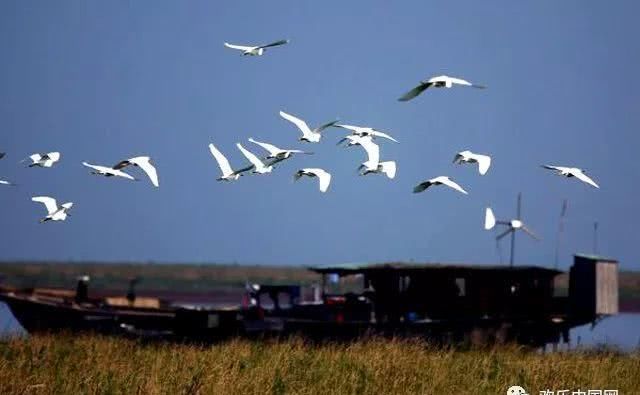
[(595, 237), (563, 211)]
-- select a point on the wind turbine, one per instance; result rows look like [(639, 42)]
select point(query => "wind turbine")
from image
[(514, 225)]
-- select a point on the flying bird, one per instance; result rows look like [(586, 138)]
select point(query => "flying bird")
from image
[(228, 174), (2, 154), (572, 172), (483, 161), (278, 154), (441, 81), (308, 135), (373, 164), (324, 177), (43, 160), (143, 162), (108, 171), (256, 50), (441, 180), (365, 131), (54, 212), (258, 166)]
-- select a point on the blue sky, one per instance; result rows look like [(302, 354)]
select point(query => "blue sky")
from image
[(104, 81)]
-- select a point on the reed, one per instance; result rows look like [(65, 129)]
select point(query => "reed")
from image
[(89, 364)]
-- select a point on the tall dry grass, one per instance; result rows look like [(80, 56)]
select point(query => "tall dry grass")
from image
[(101, 365)]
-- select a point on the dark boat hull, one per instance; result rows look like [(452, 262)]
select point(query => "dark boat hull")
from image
[(41, 316)]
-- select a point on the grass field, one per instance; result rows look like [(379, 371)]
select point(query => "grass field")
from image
[(101, 365)]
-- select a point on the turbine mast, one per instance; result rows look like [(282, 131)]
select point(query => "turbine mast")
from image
[(513, 233)]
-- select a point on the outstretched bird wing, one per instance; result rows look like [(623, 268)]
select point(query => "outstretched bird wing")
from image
[(302, 125), (49, 202), (326, 125), (223, 163), (240, 47), (324, 179), (299, 151), (389, 168), (94, 167), (422, 186), (281, 42), (255, 161), (557, 168), (144, 162), (272, 149), (384, 135), (53, 156), (35, 158), (415, 91), (460, 81), (484, 162), (244, 170), (584, 178), (451, 184)]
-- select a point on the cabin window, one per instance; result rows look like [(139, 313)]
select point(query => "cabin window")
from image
[(460, 282), (404, 282)]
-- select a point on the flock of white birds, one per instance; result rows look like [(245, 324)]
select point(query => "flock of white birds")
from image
[(364, 137)]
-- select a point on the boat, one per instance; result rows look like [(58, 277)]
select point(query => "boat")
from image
[(471, 304), (51, 310), (474, 304)]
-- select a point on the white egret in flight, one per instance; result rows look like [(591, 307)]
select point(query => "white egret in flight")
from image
[(441, 180), (308, 135), (108, 171), (43, 160), (365, 131), (572, 172), (324, 177), (54, 212), (441, 81), (257, 50), (143, 162), (228, 174), (373, 164), (278, 154), (483, 161)]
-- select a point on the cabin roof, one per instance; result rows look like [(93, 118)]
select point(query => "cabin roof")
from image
[(594, 257), (457, 269)]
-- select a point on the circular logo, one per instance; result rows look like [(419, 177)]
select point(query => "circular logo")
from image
[(516, 390)]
